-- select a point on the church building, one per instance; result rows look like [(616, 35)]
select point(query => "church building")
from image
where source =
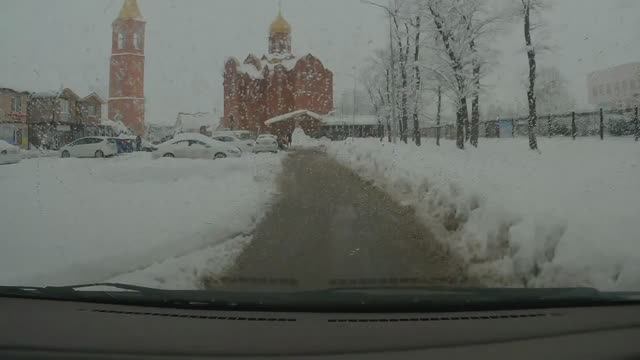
[(278, 91)]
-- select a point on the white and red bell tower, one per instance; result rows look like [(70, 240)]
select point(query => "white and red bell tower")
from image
[(126, 75)]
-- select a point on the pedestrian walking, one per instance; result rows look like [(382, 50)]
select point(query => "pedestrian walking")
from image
[(138, 143)]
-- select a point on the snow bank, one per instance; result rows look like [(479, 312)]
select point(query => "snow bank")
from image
[(565, 217), (68, 221), (299, 139), (186, 272)]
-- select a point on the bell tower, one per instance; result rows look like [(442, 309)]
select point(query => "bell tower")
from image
[(280, 36), (126, 75)]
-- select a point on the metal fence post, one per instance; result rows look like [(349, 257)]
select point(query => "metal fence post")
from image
[(601, 124), (573, 125)]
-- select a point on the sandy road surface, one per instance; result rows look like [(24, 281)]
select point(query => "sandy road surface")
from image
[(330, 228)]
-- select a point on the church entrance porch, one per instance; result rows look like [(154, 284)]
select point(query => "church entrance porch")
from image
[(283, 125)]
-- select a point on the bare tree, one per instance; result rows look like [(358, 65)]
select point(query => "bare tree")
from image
[(528, 7), (438, 115), (399, 48), (403, 55), (418, 81), (446, 27)]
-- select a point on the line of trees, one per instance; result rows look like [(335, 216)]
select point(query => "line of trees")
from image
[(441, 50)]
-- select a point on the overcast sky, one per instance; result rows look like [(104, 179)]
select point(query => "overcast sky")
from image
[(44, 47)]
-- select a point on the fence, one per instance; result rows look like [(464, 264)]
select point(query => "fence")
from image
[(603, 123)]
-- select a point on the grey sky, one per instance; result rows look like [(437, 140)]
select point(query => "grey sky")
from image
[(46, 44)]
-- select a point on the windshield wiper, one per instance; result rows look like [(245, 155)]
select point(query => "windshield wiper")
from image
[(83, 292)]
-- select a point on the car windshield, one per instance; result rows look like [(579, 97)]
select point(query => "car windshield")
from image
[(392, 145)]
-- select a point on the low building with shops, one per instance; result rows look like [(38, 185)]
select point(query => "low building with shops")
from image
[(59, 117), (13, 117)]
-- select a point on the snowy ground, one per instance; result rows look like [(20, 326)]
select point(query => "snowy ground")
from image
[(568, 216), (86, 220)]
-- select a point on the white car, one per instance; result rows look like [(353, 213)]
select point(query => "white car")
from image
[(93, 146), (195, 146), (244, 145), (9, 154), (266, 143)]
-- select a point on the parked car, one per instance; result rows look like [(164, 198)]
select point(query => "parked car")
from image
[(196, 146), (266, 143), (240, 134), (94, 146), (9, 154), (148, 147), (244, 145)]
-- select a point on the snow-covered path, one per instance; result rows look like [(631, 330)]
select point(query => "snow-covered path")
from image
[(85, 220)]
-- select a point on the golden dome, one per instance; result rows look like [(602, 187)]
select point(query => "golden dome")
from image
[(130, 10), (280, 25)]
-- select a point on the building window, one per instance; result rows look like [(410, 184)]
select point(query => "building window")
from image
[(137, 41), (64, 106), (16, 104), (91, 110), (121, 40)]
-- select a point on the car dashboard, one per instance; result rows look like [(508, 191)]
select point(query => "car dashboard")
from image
[(44, 329)]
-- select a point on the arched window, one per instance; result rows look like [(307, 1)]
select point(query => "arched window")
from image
[(137, 41), (121, 40)]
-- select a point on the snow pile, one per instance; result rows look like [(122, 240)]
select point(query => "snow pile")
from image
[(565, 217), (65, 221), (299, 139), (36, 153)]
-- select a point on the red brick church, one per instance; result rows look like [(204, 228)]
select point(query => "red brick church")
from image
[(126, 75), (278, 89)]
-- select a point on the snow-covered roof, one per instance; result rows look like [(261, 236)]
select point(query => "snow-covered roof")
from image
[(12, 91), (270, 62), (193, 122), (250, 70), (349, 120), (94, 95), (56, 93), (291, 115)]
